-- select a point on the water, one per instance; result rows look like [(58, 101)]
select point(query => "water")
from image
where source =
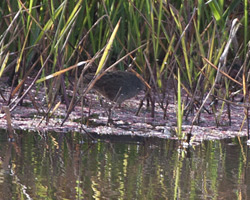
[(70, 166)]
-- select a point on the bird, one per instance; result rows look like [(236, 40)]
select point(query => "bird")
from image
[(117, 86)]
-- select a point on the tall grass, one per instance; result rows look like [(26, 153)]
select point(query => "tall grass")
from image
[(40, 38)]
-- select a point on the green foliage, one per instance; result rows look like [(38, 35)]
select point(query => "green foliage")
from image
[(177, 34)]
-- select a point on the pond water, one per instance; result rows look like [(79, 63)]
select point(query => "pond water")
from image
[(71, 166)]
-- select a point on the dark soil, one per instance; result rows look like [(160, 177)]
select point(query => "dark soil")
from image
[(94, 117)]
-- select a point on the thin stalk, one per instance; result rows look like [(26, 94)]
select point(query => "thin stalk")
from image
[(179, 111)]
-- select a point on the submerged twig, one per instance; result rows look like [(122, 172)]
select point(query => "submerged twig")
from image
[(6, 109)]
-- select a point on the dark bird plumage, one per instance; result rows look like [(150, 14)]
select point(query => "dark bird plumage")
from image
[(117, 86)]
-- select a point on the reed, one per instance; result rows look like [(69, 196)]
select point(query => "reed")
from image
[(174, 36)]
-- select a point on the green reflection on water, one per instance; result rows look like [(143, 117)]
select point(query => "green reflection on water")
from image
[(69, 166)]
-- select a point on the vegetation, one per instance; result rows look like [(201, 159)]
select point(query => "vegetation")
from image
[(193, 43)]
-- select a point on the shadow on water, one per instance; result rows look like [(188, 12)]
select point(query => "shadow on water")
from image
[(70, 166)]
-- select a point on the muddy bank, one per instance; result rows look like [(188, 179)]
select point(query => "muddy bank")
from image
[(94, 117)]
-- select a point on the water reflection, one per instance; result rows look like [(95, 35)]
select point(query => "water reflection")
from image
[(70, 166)]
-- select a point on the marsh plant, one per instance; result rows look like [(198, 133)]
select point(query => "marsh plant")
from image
[(196, 50)]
